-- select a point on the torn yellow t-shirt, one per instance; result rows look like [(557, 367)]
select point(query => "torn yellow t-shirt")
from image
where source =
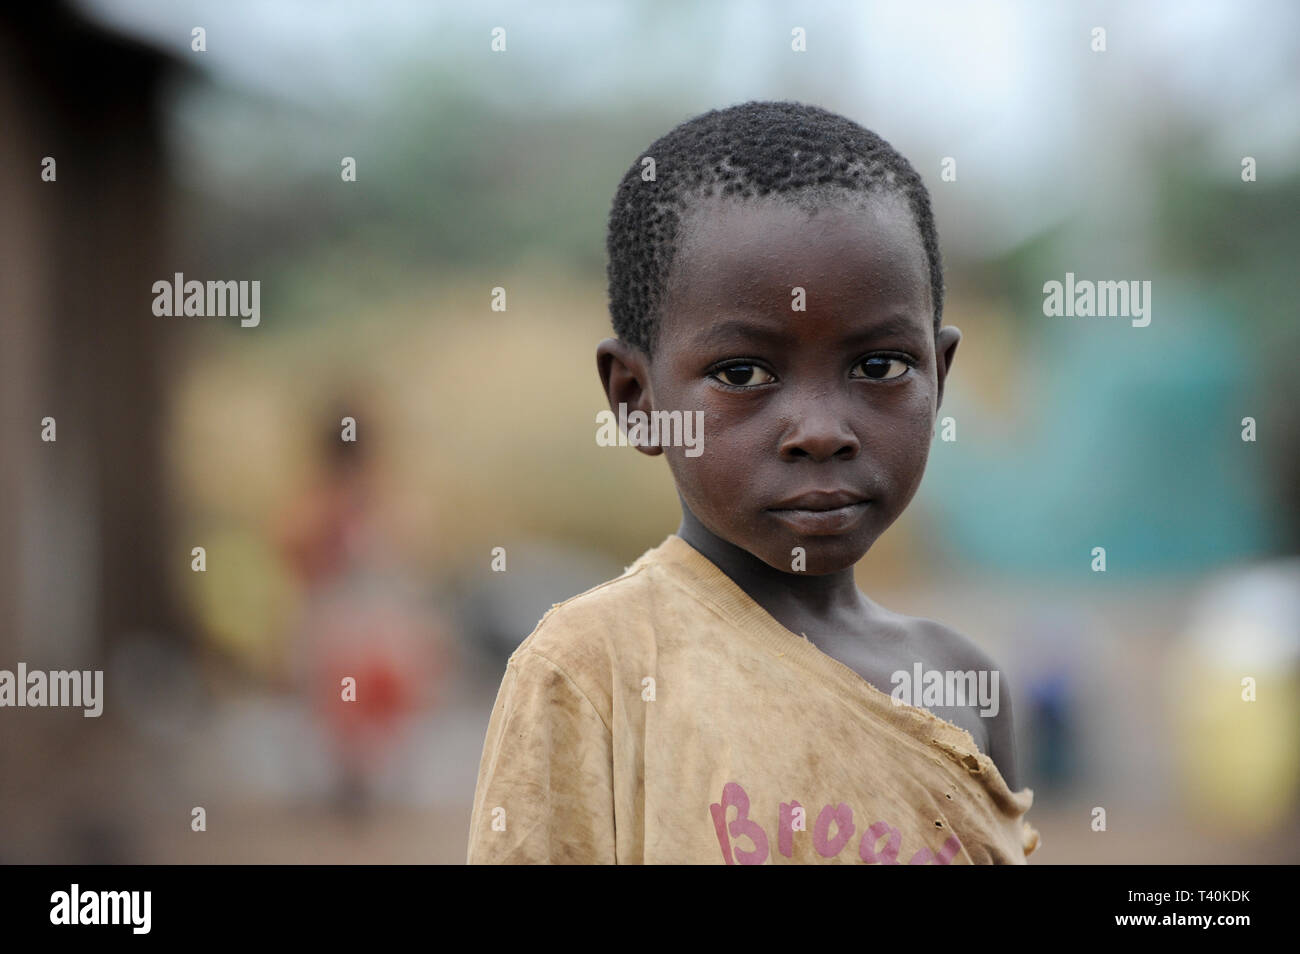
[(665, 717)]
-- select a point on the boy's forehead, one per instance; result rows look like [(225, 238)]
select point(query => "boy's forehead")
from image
[(866, 249)]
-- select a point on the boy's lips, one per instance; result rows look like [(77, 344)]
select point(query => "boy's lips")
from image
[(821, 511), (820, 500)]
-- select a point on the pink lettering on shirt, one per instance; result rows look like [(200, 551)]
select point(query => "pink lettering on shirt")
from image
[(945, 856), (785, 828), (841, 815), (741, 827), (871, 839)]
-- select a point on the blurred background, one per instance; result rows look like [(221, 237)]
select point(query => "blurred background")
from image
[(474, 427)]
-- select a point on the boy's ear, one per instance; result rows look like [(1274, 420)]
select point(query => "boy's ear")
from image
[(945, 346), (625, 376)]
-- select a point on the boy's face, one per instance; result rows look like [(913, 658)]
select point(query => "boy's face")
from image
[(817, 422)]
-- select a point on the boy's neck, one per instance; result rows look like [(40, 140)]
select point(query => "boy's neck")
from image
[(812, 605)]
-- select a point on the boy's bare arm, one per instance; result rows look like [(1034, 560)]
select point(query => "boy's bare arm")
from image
[(960, 652), (1002, 736)]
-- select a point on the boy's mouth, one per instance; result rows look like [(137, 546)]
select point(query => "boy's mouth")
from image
[(821, 511)]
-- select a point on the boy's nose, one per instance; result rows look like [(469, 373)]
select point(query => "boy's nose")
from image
[(819, 432)]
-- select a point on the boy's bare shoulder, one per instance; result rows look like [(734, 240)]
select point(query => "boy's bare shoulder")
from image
[(939, 646)]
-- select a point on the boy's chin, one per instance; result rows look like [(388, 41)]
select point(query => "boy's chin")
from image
[(815, 556)]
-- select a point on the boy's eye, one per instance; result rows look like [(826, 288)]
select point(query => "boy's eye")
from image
[(881, 368), (740, 375)]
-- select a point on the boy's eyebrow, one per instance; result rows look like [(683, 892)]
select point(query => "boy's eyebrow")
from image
[(894, 326), (899, 325)]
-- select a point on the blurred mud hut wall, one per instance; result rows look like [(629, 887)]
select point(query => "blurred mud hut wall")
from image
[(86, 558)]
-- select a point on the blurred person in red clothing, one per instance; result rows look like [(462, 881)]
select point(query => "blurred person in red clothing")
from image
[(366, 652)]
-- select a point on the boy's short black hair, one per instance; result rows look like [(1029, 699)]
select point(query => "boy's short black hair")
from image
[(801, 152)]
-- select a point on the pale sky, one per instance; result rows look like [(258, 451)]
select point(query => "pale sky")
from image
[(1013, 89)]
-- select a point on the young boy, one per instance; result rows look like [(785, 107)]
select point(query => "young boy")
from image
[(774, 275)]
